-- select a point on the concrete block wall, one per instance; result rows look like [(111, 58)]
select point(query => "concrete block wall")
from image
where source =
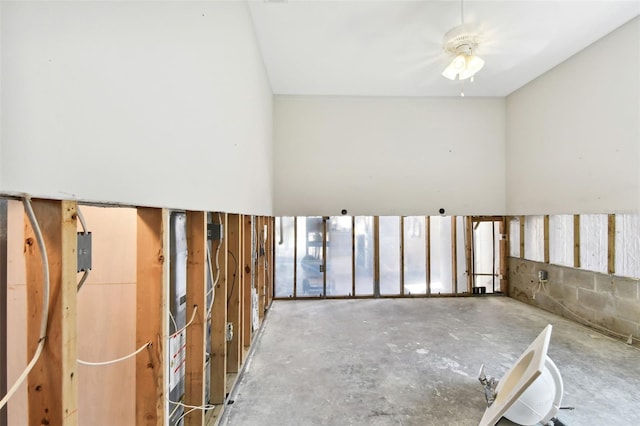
[(584, 296)]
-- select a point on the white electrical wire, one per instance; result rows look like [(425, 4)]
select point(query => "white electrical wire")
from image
[(93, 364), (45, 300), (173, 320), (196, 407), (217, 277), (179, 404), (83, 223), (193, 317), (211, 407), (539, 287)]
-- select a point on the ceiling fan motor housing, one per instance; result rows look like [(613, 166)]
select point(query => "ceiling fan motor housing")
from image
[(460, 39)]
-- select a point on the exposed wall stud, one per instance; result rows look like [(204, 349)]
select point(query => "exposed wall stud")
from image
[(522, 237), (52, 384), (247, 285), (469, 253), (295, 257), (504, 253), (402, 255), (234, 291), (219, 319), (260, 265), (376, 256), (197, 308), (611, 249), (576, 240), (353, 255), (3, 307), (454, 256), (427, 229), (546, 238), (151, 285)]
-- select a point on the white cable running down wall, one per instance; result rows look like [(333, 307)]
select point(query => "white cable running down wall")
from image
[(45, 301)]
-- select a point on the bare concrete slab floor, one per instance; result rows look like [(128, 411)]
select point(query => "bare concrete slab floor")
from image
[(415, 362)]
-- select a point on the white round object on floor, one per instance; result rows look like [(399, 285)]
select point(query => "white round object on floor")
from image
[(540, 402)]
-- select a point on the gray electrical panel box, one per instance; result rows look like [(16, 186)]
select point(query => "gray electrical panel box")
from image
[(215, 231), (84, 251)]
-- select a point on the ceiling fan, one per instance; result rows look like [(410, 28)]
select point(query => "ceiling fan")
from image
[(461, 42)]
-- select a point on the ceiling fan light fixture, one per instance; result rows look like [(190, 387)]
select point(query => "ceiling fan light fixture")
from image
[(473, 64), (457, 66)]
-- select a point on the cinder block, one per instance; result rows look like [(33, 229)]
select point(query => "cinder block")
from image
[(617, 325), (556, 274), (592, 299), (578, 311), (578, 278), (628, 309), (605, 283), (549, 304), (569, 293), (556, 290), (627, 288)]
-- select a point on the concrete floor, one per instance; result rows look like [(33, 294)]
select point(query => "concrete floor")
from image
[(415, 362)]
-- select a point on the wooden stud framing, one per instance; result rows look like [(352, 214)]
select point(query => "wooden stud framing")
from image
[(260, 265), (271, 248), (487, 218), (197, 308), (611, 249), (376, 256), (52, 385), (402, 255), (324, 256), (150, 286), (504, 253), (234, 291), (469, 253), (576, 240), (522, 237), (546, 238), (427, 237), (218, 354), (295, 257), (353, 255), (3, 307), (273, 259), (454, 255), (247, 256)]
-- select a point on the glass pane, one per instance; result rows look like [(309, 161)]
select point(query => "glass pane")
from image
[(284, 256), (440, 237), (364, 255), (389, 255), (310, 278), (339, 282), (415, 256), (561, 240)]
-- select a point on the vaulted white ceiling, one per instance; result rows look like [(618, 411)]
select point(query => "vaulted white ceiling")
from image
[(394, 48)]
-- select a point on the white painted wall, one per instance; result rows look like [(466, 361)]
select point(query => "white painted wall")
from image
[(389, 156), (573, 134), (148, 103)]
